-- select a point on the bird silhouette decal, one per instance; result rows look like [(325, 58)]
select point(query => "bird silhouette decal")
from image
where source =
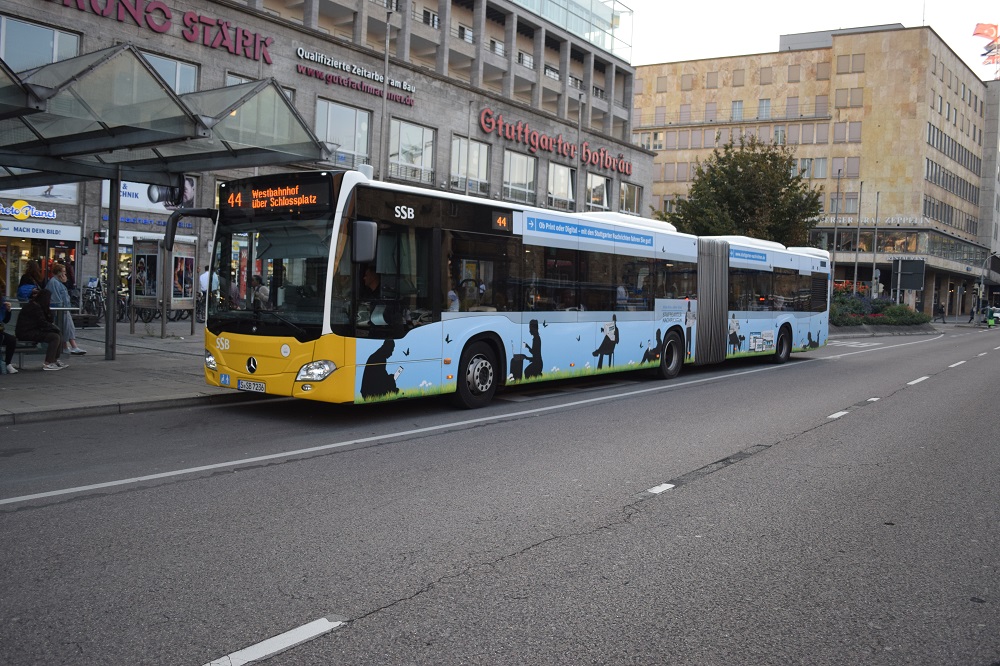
[(407, 352), (578, 338), (545, 324), (447, 338)]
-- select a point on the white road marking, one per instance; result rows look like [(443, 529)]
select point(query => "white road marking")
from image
[(984, 354), (917, 381), (873, 399), (837, 415), (852, 343), (865, 351), (955, 365), (279, 643), (656, 490)]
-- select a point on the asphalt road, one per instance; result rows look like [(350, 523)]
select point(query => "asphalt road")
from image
[(840, 509)]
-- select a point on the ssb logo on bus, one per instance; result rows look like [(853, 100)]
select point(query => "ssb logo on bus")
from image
[(404, 213)]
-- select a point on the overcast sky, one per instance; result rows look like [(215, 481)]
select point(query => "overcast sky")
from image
[(668, 31)]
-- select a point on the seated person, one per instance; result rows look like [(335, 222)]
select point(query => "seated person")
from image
[(37, 324), (453, 303)]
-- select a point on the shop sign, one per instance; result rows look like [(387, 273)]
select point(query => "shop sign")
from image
[(209, 31), (355, 77), (39, 230), (22, 210), (521, 132)]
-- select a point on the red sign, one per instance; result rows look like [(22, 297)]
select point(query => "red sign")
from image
[(521, 132)]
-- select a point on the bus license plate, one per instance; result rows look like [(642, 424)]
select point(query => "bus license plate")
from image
[(246, 385)]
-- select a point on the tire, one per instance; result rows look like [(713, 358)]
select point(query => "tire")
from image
[(783, 347), (478, 376), (671, 356), (147, 314)]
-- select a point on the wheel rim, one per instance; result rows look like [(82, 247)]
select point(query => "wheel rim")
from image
[(670, 356), (479, 375)]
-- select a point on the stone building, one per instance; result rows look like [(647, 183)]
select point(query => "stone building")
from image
[(897, 131)]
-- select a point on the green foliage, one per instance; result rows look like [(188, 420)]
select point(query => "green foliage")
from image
[(751, 189), (854, 310)]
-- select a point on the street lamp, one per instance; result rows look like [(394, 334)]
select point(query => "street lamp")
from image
[(384, 144), (982, 282), (579, 153), (836, 212), (857, 240)]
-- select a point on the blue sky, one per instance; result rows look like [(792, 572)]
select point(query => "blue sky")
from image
[(667, 31)]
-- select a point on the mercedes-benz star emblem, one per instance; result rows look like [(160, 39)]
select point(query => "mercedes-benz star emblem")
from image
[(251, 365)]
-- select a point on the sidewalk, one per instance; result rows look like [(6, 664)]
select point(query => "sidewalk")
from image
[(150, 372)]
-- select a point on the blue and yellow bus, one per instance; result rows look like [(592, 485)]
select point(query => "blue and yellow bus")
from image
[(339, 288)]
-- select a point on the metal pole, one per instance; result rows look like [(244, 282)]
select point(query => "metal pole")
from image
[(857, 238), (875, 244), (384, 144), (579, 152), (468, 145), (833, 255), (111, 281)]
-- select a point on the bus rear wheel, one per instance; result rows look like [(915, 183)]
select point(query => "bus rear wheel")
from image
[(671, 356), (783, 347), (477, 378)]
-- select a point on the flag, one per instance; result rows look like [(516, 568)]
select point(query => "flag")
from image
[(993, 60), (987, 30)]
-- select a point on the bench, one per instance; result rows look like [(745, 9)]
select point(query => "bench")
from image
[(24, 347)]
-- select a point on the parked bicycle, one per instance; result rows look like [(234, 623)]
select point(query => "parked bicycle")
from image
[(93, 300)]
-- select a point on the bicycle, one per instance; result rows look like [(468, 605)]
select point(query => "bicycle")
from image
[(93, 301)]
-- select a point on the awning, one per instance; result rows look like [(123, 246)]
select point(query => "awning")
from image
[(109, 114)]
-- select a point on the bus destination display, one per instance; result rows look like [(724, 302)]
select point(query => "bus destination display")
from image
[(268, 197)]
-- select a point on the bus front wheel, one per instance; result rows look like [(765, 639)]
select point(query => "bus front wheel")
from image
[(477, 378), (783, 348), (671, 356)]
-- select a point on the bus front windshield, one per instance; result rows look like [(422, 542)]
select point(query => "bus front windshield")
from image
[(271, 277)]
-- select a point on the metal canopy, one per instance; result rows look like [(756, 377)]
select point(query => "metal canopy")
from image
[(109, 115)]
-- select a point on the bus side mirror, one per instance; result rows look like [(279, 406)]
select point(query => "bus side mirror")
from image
[(365, 237)]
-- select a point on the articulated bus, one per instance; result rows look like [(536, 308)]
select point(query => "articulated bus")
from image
[(339, 288)]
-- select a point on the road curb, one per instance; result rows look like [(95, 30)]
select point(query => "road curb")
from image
[(125, 407)]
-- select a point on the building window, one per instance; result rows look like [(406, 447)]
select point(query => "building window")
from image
[(685, 113), (854, 132), (687, 81), (840, 98), (628, 201), (431, 18), (822, 71), (766, 76), (662, 84), (822, 104), (843, 64), (858, 63), (819, 167), (792, 107), (552, 72), (793, 134), (738, 77), (465, 33), (562, 187), (805, 167), (779, 135), (411, 152), (525, 59), (657, 140), (496, 47), (518, 177), (764, 109), (737, 110), (794, 72), (347, 128), (808, 133), (857, 97), (182, 77), (470, 164), (598, 192), (853, 167), (26, 45), (712, 80), (670, 172), (711, 112)]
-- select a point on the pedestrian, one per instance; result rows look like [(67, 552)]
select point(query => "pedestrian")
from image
[(7, 340), (36, 324), (31, 279), (939, 312), (60, 299), (260, 293)]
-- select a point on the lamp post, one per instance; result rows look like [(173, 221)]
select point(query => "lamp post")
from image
[(468, 145), (875, 245), (384, 144), (836, 212), (857, 240), (579, 153), (982, 282)]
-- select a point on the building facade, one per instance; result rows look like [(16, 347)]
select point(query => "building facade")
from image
[(521, 101), (897, 131)]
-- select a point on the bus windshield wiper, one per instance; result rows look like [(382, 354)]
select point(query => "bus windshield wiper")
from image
[(285, 320)]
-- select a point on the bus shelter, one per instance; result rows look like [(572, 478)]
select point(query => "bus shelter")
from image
[(109, 115)]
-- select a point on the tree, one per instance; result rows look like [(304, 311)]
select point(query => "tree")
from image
[(752, 189)]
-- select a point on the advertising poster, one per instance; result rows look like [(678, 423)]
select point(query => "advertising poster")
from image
[(145, 271), (184, 277), (149, 198), (65, 193)]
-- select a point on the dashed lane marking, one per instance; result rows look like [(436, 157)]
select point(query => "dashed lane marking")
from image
[(917, 381), (663, 487), (279, 643), (955, 365), (851, 343), (837, 415)]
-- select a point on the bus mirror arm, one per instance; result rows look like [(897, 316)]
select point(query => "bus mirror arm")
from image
[(365, 238)]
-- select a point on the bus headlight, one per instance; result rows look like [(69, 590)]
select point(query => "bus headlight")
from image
[(316, 371), (210, 361)]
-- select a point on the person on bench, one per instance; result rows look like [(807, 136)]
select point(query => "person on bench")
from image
[(36, 324), (7, 341)]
